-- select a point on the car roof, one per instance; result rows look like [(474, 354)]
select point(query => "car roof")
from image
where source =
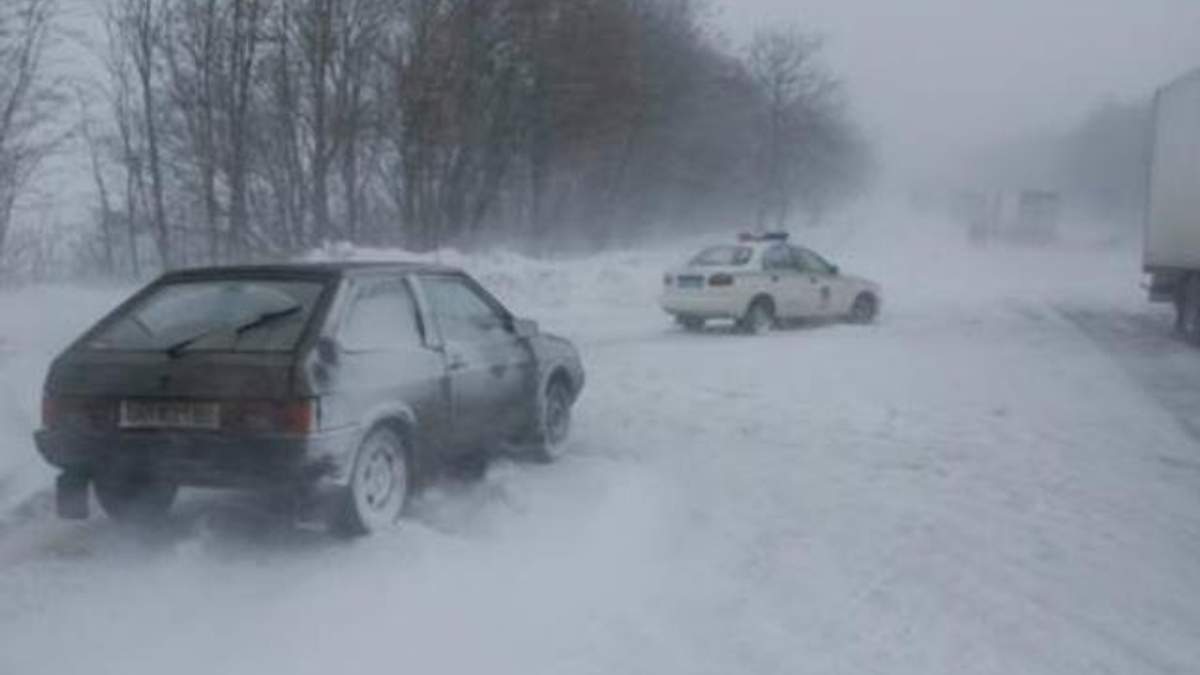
[(756, 246), (314, 270), (772, 236)]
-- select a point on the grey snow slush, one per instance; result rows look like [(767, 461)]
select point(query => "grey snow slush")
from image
[(345, 386)]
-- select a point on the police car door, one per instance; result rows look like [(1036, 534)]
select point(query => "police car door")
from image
[(787, 286), (824, 286)]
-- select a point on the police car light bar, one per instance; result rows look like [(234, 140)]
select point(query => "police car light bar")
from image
[(763, 236)]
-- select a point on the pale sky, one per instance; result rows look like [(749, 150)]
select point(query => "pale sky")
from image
[(929, 78)]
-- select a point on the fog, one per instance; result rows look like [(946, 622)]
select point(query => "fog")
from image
[(932, 79), (992, 471)]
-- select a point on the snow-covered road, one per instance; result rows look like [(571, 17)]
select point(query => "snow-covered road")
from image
[(1000, 477)]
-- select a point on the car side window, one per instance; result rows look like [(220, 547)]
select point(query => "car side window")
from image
[(383, 316), (812, 263), (462, 312), (777, 258)]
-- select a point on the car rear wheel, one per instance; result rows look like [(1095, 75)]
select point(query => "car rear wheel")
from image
[(380, 483), (760, 318), (134, 498), (865, 309), (554, 421)]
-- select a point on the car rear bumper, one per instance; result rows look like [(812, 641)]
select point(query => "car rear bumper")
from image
[(705, 304), (204, 459)]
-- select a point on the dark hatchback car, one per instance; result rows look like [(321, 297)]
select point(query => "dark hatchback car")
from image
[(344, 385)]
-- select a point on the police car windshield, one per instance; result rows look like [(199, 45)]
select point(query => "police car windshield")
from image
[(718, 256)]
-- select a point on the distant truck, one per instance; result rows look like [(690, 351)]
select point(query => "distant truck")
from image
[(1036, 217), (1021, 217), (1172, 244)]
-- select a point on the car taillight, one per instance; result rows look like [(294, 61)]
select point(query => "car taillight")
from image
[(300, 417), (285, 417), (720, 280), (77, 413)]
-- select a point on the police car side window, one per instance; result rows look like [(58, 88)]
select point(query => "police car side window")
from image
[(777, 258), (811, 263)]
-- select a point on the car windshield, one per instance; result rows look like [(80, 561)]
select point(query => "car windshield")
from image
[(723, 256), (213, 315)]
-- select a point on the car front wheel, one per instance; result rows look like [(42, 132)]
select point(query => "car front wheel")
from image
[(865, 309), (554, 421)]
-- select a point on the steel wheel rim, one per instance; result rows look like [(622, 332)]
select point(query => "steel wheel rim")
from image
[(558, 416), (381, 482)]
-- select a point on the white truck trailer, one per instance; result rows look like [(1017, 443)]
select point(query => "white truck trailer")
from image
[(1172, 245)]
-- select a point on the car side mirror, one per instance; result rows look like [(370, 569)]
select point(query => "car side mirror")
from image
[(833, 269), (524, 328)]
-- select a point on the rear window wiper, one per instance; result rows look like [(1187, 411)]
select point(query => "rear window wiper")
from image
[(261, 320), (266, 318)]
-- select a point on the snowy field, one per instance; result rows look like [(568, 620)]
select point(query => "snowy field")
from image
[(1002, 476)]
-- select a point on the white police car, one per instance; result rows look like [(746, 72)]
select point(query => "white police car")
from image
[(762, 280)]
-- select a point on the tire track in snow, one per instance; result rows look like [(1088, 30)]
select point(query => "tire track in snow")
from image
[(1144, 345)]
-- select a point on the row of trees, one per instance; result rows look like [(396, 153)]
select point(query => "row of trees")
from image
[(240, 129)]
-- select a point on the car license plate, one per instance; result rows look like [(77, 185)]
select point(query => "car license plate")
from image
[(691, 282), (169, 415)]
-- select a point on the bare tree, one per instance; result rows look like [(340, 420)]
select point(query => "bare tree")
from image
[(138, 26), (360, 30), (123, 107), (795, 89), (96, 157), (26, 102), (194, 57), (245, 38), (280, 144)]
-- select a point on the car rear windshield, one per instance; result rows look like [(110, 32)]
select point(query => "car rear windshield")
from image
[(723, 256), (251, 315)]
